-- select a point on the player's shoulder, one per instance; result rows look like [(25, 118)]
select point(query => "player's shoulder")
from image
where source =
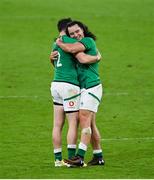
[(88, 40)]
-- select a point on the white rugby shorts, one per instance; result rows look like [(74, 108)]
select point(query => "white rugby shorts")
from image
[(66, 94), (91, 98)]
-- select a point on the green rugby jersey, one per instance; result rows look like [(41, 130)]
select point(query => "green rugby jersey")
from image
[(88, 73), (65, 66)]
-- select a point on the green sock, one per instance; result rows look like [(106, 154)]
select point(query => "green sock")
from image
[(81, 153), (58, 156), (71, 152), (98, 153), (82, 149)]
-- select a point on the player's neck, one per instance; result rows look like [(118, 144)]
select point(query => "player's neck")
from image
[(62, 33)]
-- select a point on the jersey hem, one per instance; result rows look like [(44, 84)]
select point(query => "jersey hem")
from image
[(91, 86), (71, 111), (66, 82), (55, 103)]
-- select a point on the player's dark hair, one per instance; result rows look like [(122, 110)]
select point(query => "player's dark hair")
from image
[(85, 29), (62, 24)]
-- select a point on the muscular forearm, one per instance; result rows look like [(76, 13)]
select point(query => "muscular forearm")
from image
[(86, 59), (71, 48)]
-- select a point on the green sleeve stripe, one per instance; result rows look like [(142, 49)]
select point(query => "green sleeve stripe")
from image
[(72, 97), (94, 97)]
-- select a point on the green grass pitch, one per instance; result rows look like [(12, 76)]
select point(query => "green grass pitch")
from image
[(124, 30)]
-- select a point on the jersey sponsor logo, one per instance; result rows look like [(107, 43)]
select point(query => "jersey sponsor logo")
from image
[(71, 103)]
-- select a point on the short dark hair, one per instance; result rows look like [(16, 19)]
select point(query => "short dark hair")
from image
[(62, 24), (86, 31)]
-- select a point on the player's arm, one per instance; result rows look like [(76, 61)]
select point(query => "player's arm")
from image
[(70, 48), (87, 59)]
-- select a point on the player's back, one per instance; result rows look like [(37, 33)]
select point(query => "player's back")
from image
[(65, 66)]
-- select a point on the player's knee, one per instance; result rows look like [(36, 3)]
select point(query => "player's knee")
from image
[(86, 131)]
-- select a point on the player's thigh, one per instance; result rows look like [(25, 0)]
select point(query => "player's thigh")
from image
[(59, 116), (91, 98), (73, 119), (71, 95)]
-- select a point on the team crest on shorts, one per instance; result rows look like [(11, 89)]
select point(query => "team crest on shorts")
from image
[(81, 103)]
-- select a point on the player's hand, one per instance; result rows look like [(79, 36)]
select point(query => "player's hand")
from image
[(53, 56), (99, 56)]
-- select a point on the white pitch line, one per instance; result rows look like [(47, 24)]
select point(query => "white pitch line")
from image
[(105, 94), (117, 94), (127, 139), (17, 97), (25, 17), (35, 96)]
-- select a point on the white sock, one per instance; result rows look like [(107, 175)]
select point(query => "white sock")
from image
[(57, 150), (97, 151), (83, 146), (71, 146)]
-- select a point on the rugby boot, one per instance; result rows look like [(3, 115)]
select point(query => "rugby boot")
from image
[(96, 161)]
